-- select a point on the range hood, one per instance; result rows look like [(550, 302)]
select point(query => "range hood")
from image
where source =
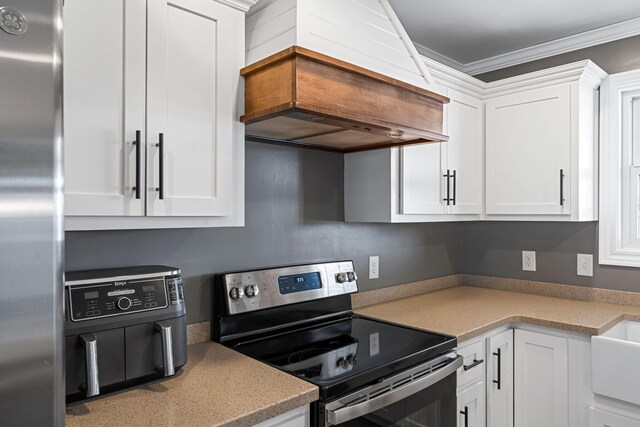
[(373, 93)]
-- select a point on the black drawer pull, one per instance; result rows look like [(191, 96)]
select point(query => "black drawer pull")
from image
[(138, 145), (454, 187), (475, 363), (498, 354), (448, 199), (466, 416), (160, 145), (561, 187)]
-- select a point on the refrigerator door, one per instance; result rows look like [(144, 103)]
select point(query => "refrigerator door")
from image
[(31, 214)]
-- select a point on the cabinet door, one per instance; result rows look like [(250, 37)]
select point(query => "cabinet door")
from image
[(600, 418), (421, 179), (471, 404), (528, 149), (541, 380), (465, 151), (500, 380), (104, 96), (195, 51)]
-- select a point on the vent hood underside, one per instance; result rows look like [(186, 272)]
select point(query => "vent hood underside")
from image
[(304, 97)]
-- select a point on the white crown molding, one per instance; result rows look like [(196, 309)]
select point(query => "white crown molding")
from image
[(451, 77), (241, 5), (578, 41), (585, 70), (436, 56)]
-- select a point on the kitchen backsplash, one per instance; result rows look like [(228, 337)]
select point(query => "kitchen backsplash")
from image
[(294, 214)]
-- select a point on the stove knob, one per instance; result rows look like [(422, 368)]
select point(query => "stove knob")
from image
[(341, 277), (124, 303), (236, 293), (351, 276), (352, 359), (342, 363), (251, 290)]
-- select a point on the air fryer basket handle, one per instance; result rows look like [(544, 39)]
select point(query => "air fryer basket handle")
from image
[(167, 347)]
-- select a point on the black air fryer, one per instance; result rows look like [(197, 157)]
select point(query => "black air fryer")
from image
[(123, 327)]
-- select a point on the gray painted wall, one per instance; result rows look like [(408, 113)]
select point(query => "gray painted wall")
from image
[(494, 248), (294, 214)]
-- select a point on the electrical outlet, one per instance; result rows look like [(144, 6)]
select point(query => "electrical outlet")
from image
[(585, 265), (374, 267), (528, 261)]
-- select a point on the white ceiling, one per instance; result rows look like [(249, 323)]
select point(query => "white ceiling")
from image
[(468, 31)]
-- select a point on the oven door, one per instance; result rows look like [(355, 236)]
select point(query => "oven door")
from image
[(424, 396)]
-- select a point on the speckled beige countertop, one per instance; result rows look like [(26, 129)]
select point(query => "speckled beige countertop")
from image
[(467, 311), (218, 386)]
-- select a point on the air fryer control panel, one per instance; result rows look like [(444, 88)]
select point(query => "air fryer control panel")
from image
[(123, 295)]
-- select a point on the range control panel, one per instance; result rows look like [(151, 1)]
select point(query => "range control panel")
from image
[(260, 289), (123, 295)]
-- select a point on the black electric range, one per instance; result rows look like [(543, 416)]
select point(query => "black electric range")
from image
[(299, 319)]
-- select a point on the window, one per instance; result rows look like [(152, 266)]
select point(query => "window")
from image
[(620, 170)]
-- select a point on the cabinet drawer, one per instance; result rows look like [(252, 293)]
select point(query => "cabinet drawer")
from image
[(600, 418), (473, 359)]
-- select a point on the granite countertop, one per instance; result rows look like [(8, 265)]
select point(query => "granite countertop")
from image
[(218, 386), (467, 311)]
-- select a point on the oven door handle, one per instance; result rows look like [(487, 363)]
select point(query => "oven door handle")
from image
[(347, 413)]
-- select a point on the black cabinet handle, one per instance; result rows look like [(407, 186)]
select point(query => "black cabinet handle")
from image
[(138, 145), (160, 145), (498, 381), (448, 198), (466, 416), (454, 187), (561, 187), (473, 365)]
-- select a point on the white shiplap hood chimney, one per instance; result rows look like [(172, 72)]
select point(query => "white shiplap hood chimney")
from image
[(366, 33), (372, 50)]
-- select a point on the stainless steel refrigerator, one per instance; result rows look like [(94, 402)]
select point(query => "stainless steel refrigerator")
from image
[(31, 215)]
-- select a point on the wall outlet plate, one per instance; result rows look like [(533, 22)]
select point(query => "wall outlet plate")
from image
[(585, 265), (374, 267), (528, 261)]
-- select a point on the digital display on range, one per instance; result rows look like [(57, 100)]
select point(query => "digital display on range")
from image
[(91, 295), (299, 282), (148, 288)]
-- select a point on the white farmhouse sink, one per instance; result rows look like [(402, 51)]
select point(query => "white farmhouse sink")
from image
[(615, 362)]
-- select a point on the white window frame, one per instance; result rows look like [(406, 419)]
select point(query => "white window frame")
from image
[(617, 246)]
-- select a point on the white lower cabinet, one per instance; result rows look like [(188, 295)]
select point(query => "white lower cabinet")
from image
[(541, 380), (500, 379), (533, 377), (299, 417), (471, 406)]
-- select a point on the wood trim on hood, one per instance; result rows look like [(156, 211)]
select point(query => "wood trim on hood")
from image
[(302, 96)]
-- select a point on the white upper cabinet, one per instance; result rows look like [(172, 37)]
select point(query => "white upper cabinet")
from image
[(104, 95), (446, 178), (529, 152), (190, 80), (541, 145), (152, 131), (465, 152), (427, 182), (422, 179)]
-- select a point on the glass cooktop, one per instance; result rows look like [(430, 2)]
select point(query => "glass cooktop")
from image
[(340, 355)]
